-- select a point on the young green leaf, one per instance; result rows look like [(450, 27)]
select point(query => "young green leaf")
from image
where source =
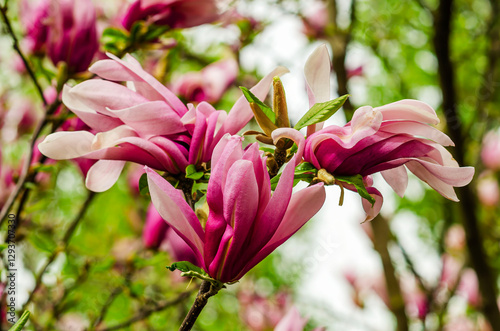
[(357, 181), (320, 112), (265, 108), (21, 322), (143, 185)]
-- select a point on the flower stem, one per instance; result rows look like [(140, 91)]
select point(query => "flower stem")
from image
[(207, 290)]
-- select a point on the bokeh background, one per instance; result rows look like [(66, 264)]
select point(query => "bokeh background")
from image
[(425, 263)]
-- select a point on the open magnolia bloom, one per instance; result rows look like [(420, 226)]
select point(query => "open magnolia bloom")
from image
[(387, 139), (143, 122), (245, 221)]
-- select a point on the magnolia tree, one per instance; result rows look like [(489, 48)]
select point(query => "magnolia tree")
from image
[(215, 176)]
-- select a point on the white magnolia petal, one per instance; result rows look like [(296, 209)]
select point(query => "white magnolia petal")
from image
[(66, 145), (103, 174)]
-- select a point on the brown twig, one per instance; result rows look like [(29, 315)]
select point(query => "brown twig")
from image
[(207, 290), (381, 238), (15, 45), (146, 312), (61, 247)]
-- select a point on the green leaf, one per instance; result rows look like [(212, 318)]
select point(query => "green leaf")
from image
[(154, 31), (304, 171), (357, 181), (21, 322), (186, 266), (143, 185), (113, 34), (191, 173), (3, 246), (190, 270), (320, 112), (265, 108)]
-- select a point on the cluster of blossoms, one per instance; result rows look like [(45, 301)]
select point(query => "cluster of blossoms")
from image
[(247, 218)]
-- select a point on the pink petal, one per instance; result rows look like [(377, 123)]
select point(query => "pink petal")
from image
[(292, 321), (151, 118), (317, 73), (145, 84), (241, 198), (66, 145), (417, 129), (101, 95), (293, 134), (370, 211), (155, 228), (171, 205), (303, 205), (88, 115), (397, 178), (412, 110), (103, 174)]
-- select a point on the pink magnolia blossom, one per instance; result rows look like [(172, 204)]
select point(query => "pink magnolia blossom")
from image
[(384, 139), (34, 18), (262, 312), (245, 222), (158, 234), (292, 321), (387, 139), (143, 123), (209, 84), (173, 13), (488, 191), (64, 29), (315, 19), (469, 288), (490, 154)]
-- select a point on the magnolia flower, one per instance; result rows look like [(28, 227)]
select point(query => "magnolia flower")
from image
[(209, 84), (34, 19), (65, 29), (174, 13), (292, 321), (157, 234), (490, 154), (315, 20), (143, 123), (387, 139), (488, 191), (245, 222)]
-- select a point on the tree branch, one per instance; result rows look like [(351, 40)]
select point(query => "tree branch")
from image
[(61, 247), (146, 312), (381, 238), (487, 278)]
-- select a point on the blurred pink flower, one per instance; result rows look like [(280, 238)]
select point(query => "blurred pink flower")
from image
[(143, 123), (488, 191), (455, 238), (158, 234), (72, 35), (19, 119), (450, 271), (260, 312), (209, 84), (469, 288), (34, 18), (245, 223), (292, 321), (315, 19), (173, 13), (490, 154)]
